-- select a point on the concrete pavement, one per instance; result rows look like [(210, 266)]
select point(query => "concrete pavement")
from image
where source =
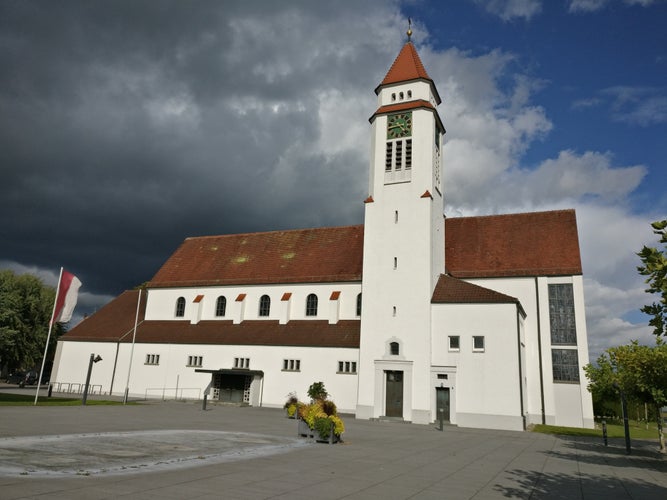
[(176, 450)]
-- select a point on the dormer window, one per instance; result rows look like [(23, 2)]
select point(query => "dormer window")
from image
[(180, 307), (220, 306), (264, 305), (311, 305)]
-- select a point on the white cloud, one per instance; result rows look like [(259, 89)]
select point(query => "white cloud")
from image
[(642, 106), (587, 5), (508, 10), (586, 103), (490, 125), (593, 5)]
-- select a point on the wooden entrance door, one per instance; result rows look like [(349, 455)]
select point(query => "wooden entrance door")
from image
[(442, 403), (394, 390)]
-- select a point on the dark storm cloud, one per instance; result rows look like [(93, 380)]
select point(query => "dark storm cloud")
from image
[(127, 126)]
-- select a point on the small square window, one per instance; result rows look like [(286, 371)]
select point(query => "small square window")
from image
[(291, 365), (241, 362), (478, 343), (454, 343), (195, 361), (394, 348), (347, 367)]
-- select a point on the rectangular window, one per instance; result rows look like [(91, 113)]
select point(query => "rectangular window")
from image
[(388, 157), (152, 359), (241, 362), (561, 315), (195, 361), (347, 367), (565, 363), (478, 344), (408, 154), (291, 365), (454, 343), (399, 155)]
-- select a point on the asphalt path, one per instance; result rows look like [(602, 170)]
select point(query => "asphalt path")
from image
[(176, 449)]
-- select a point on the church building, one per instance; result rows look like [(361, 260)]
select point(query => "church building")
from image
[(411, 316)]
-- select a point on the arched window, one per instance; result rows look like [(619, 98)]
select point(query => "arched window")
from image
[(180, 307), (400, 95), (311, 305), (264, 305), (393, 97), (393, 348), (359, 305), (221, 306), (409, 94)]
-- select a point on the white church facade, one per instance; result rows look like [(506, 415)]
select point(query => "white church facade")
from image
[(410, 316)]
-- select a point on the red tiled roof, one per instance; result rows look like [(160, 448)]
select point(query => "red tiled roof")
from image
[(403, 106), (526, 244), (407, 66), (297, 256), (451, 290), (115, 323)]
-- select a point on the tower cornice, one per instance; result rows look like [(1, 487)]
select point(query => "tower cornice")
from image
[(408, 105)]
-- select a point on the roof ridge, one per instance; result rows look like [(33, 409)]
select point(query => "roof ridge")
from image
[(556, 210), (275, 231)]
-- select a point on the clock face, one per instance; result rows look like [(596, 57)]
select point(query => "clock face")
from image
[(399, 125)]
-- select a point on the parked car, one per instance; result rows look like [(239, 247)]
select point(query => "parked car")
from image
[(23, 378)]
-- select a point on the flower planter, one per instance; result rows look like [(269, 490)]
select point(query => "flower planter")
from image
[(332, 439), (303, 429)]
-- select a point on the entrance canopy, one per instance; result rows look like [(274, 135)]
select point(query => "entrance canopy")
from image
[(232, 371)]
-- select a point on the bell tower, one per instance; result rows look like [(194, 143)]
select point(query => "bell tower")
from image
[(404, 244)]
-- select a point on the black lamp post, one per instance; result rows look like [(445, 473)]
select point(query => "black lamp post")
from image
[(626, 426), (93, 359)]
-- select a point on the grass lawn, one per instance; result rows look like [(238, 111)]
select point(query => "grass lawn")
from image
[(637, 430), (7, 399)]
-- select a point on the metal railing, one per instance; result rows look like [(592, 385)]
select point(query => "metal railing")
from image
[(75, 388), (173, 393)]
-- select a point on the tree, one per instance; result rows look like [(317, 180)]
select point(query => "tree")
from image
[(639, 371), (26, 305), (654, 265)]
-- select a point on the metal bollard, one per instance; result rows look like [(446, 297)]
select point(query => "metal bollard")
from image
[(48, 395), (203, 407), (604, 432), (442, 418)]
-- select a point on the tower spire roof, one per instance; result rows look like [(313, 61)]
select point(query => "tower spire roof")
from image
[(407, 66)]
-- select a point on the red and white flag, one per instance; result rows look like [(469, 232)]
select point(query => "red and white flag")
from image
[(68, 292)]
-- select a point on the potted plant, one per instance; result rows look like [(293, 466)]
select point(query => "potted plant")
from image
[(320, 418), (291, 405)]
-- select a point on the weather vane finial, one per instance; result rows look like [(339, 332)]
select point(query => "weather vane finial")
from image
[(409, 32)]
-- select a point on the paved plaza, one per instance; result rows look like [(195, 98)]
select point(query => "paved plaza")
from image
[(176, 450)]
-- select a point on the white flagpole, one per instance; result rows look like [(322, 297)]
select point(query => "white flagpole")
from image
[(48, 337), (134, 336)]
